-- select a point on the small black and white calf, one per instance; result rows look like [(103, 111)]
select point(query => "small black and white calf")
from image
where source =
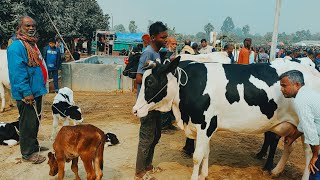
[(63, 108), (111, 139), (9, 133)]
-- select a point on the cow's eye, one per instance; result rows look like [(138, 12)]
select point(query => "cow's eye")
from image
[(149, 82)]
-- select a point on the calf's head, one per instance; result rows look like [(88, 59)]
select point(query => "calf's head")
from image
[(111, 139), (53, 164), (74, 112), (158, 89)]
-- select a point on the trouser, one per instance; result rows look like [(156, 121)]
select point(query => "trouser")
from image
[(316, 176), (29, 127), (149, 135), (54, 74)]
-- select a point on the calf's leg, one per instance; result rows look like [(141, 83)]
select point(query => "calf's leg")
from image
[(274, 140), (87, 159), (98, 161), (265, 146), (74, 167), (55, 120), (284, 158), (308, 155), (189, 146), (61, 162)]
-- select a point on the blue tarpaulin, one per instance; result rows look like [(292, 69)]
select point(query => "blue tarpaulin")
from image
[(129, 37)]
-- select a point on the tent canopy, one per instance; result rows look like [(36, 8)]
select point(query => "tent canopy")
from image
[(129, 37)]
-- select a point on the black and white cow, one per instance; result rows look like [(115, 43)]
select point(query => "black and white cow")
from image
[(63, 108), (210, 97), (9, 133)]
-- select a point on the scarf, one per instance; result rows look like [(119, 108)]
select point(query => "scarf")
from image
[(33, 55)]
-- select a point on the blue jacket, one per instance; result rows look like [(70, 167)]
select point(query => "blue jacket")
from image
[(24, 80), (52, 57)]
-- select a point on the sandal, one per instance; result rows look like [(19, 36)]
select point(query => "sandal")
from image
[(35, 158), (146, 176), (151, 169)]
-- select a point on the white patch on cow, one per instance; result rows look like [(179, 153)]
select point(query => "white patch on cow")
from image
[(11, 142), (4, 79), (220, 57), (2, 124)]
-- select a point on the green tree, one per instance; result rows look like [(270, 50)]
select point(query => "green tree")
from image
[(132, 27), (227, 26), (246, 30), (200, 35), (119, 28), (208, 28)]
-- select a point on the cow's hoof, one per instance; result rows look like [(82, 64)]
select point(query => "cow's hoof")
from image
[(268, 167), (260, 155), (274, 175)]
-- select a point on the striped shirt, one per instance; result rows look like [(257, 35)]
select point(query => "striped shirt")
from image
[(307, 105)]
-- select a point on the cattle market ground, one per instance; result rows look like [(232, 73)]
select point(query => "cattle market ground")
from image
[(231, 156)]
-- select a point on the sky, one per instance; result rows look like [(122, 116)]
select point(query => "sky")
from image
[(190, 16)]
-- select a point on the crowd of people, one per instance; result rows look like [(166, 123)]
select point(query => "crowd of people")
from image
[(29, 69)]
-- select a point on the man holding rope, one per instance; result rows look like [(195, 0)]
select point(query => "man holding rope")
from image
[(28, 76)]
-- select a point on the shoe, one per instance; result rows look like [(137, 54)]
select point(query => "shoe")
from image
[(146, 176), (42, 148), (151, 169), (35, 158)]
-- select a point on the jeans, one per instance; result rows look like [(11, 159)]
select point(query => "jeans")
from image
[(316, 176), (54, 74), (29, 127), (149, 135)]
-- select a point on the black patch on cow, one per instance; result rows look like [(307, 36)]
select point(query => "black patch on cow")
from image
[(296, 60), (156, 83), (213, 126), (8, 131), (192, 101), (65, 109), (112, 138), (65, 96), (240, 74), (132, 66)]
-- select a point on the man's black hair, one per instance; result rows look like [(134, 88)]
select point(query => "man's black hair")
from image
[(203, 40), (156, 28), (187, 42)]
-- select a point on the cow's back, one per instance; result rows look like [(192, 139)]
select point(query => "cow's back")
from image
[(76, 139), (4, 76), (236, 96)]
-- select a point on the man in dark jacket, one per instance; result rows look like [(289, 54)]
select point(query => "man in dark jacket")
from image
[(52, 57)]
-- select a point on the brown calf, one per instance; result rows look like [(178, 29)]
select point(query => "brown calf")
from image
[(86, 141)]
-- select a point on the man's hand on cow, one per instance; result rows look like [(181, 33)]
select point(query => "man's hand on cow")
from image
[(312, 165), (29, 100)]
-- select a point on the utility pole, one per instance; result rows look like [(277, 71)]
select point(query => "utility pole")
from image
[(275, 31)]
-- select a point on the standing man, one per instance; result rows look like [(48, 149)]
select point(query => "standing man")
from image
[(171, 48), (150, 129), (307, 105), (245, 52), (60, 45), (52, 58), (205, 49), (228, 48), (28, 77)]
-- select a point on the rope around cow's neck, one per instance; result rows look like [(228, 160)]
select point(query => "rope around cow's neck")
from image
[(179, 70)]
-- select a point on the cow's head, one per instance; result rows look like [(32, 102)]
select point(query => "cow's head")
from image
[(158, 89), (53, 164)]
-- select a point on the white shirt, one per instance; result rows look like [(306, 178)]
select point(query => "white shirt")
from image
[(307, 105), (206, 50)]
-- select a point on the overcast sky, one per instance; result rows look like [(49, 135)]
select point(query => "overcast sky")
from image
[(190, 16)]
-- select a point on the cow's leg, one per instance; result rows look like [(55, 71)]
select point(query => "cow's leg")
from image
[(202, 144), (274, 140), (2, 96), (61, 162), (74, 167), (189, 146), (265, 146), (87, 159), (55, 121), (284, 158), (308, 155), (98, 161), (204, 169)]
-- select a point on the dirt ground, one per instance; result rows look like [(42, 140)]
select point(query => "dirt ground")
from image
[(231, 156)]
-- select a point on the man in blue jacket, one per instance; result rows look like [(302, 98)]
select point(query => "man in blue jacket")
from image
[(52, 58), (28, 77)]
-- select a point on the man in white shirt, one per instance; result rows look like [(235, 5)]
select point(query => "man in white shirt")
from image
[(205, 49), (307, 105)]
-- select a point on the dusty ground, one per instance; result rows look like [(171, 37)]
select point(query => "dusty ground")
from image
[(231, 154)]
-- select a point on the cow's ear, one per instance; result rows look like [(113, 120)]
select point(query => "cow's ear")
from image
[(173, 65), (149, 65)]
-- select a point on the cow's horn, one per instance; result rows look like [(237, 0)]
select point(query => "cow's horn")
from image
[(149, 65)]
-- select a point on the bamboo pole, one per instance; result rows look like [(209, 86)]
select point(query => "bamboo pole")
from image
[(275, 31)]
